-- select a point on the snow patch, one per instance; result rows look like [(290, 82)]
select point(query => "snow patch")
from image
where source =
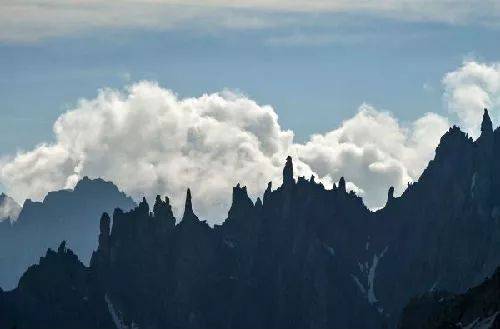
[(359, 284), (116, 315), (370, 270), (372, 299), (330, 250), (433, 287), (486, 323), (473, 184)]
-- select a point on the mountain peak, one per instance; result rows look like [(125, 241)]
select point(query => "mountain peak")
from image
[(288, 172), (342, 185), (163, 209), (241, 203), (188, 207), (390, 194), (486, 124), (105, 224)]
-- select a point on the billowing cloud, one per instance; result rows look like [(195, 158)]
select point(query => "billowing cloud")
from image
[(471, 88), (149, 141), (374, 151), (28, 20)]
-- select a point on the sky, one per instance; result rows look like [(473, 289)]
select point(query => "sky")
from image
[(82, 83)]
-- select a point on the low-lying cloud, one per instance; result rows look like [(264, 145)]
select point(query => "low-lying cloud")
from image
[(149, 141)]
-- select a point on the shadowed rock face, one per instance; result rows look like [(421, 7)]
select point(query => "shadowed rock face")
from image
[(304, 256), (478, 308), (70, 215), (285, 262), (57, 293)]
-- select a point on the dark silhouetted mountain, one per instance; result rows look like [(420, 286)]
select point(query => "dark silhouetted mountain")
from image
[(70, 215), (443, 233), (308, 257), (478, 308), (58, 293), (278, 264)]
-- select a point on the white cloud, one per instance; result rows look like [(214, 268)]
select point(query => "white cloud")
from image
[(471, 88), (374, 151), (148, 141), (28, 20)]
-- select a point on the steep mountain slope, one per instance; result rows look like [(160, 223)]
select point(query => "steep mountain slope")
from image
[(444, 231), (70, 215)]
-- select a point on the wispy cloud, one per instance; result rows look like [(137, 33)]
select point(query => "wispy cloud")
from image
[(29, 20)]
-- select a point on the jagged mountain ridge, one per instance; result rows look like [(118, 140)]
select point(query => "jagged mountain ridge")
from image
[(70, 215), (57, 293), (304, 256), (446, 227)]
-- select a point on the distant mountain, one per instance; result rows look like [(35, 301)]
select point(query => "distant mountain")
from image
[(303, 256), (70, 215), (9, 208)]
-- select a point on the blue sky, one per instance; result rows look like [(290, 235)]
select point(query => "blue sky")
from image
[(378, 82), (315, 71)]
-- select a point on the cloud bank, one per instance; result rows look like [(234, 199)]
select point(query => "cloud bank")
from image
[(149, 141), (28, 20)]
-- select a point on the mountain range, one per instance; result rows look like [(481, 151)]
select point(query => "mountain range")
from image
[(302, 256), (63, 215)]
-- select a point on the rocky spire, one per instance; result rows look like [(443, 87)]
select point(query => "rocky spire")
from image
[(390, 194), (258, 203), (486, 125), (241, 203), (288, 172), (342, 184), (143, 206), (62, 247), (105, 224), (104, 236), (240, 196), (162, 209), (267, 193), (188, 207)]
